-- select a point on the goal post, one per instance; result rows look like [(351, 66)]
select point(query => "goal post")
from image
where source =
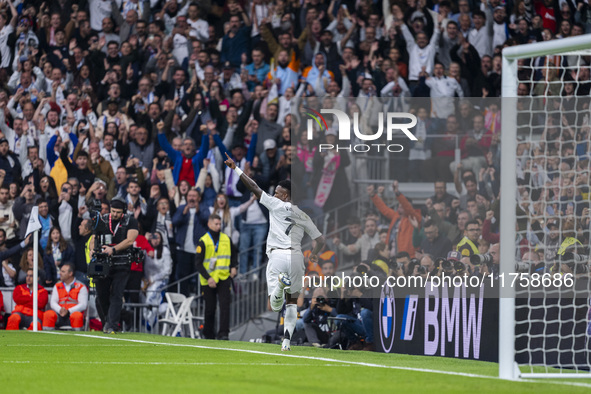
[(574, 46)]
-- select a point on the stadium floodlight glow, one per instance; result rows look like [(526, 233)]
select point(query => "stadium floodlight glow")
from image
[(574, 47)]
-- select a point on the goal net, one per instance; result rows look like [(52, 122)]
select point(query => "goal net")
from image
[(544, 319)]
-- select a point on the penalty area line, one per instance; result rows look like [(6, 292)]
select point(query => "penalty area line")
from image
[(325, 359)]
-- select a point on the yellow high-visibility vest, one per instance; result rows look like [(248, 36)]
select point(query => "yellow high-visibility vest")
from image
[(470, 244), (87, 254), (217, 264)]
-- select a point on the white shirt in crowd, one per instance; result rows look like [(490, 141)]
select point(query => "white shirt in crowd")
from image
[(112, 157), (443, 89), (4, 48), (420, 57)]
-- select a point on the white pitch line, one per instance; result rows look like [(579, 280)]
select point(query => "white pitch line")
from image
[(153, 363), (55, 345), (330, 360)]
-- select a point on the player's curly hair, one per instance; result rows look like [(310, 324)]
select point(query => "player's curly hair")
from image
[(286, 184)]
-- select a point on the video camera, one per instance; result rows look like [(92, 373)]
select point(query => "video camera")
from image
[(101, 263)]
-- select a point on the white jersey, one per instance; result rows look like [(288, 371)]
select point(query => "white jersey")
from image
[(287, 224), (4, 48)]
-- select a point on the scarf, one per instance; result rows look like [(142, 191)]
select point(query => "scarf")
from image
[(331, 164), (306, 156)]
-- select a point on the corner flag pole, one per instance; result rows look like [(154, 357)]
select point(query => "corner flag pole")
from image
[(35, 276), (34, 226)]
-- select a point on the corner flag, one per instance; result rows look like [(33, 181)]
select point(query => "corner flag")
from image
[(34, 223)]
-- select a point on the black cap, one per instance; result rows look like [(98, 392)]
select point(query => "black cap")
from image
[(3, 140), (117, 203)]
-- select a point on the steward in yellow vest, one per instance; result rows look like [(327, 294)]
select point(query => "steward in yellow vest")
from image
[(468, 246), (217, 266)]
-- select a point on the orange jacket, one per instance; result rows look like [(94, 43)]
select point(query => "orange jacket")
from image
[(23, 298), (404, 236), (68, 300), (307, 70)]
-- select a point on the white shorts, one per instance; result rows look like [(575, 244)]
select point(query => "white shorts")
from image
[(289, 262)]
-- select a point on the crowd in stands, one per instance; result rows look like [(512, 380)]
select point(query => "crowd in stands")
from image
[(143, 100)]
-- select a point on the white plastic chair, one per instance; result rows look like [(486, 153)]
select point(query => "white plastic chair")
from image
[(178, 314)]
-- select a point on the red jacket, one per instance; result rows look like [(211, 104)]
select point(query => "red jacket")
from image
[(23, 298), (142, 243), (404, 236), (483, 144), (487, 234)]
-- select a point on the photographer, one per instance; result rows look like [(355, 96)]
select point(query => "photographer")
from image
[(316, 317), (123, 230), (355, 305)]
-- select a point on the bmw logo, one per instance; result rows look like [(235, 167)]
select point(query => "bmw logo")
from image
[(387, 318)]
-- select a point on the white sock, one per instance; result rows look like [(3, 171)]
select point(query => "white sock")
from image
[(289, 322), (277, 299)]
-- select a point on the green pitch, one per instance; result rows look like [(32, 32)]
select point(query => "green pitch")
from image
[(136, 363)]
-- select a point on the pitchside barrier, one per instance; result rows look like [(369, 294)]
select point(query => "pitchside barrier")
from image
[(462, 322)]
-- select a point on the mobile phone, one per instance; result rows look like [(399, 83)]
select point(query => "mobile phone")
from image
[(6, 216)]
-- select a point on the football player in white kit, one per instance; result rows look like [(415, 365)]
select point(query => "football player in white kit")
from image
[(286, 269)]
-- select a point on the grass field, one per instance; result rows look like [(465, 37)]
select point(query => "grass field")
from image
[(136, 363)]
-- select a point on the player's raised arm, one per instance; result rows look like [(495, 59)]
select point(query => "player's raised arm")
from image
[(249, 183)]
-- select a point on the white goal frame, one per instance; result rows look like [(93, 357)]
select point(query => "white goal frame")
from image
[(508, 368)]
